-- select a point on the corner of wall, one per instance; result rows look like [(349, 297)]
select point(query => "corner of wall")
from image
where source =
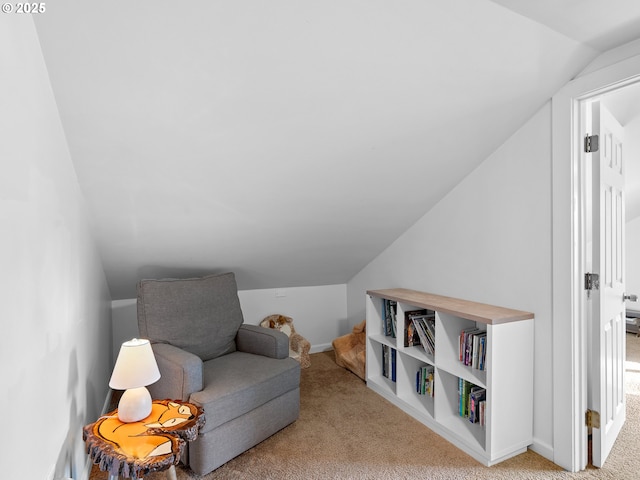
[(612, 56)]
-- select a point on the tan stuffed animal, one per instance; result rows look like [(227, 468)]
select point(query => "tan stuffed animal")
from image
[(298, 345), (350, 350)]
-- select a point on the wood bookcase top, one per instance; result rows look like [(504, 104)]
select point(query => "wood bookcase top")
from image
[(479, 312)]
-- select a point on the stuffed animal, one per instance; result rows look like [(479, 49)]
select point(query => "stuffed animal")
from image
[(298, 345), (350, 350)]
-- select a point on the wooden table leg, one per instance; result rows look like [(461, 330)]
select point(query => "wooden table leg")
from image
[(171, 473)]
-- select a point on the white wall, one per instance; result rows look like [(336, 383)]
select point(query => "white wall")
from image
[(632, 163), (488, 240), (632, 265), (633, 261), (319, 313), (56, 304), (124, 324), (632, 154)]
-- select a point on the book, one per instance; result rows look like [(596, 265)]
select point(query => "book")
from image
[(476, 395), (385, 353), (419, 328), (429, 326), (464, 389), (424, 326), (389, 308), (482, 356), (430, 323), (389, 362), (393, 364), (393, 307), (424, 380), (411, 337), (469, 346), (429, 381), (463, 339), (386, 317), (475, 347), (470, 340), (479, 343)]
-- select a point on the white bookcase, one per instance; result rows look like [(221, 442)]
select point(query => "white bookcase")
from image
[(507, 378)]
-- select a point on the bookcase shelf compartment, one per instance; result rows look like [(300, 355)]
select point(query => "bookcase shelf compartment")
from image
[(507, 340), (450, 327), (407, 369), (449, 413)]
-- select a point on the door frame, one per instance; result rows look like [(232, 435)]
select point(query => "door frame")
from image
[(569, 334)]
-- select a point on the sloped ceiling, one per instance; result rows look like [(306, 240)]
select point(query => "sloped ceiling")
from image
[(288, 141), (600, 24)]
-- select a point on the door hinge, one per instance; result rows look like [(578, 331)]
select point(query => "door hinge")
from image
[(591, 281), (592, 419), (591, 143)]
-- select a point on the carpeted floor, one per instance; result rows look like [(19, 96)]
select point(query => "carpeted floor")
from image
[(346, 431)]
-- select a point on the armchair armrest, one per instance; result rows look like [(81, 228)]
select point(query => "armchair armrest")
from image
[(262, 341), (181, 373)]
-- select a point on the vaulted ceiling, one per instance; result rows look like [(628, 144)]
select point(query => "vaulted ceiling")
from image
[(292, 141)]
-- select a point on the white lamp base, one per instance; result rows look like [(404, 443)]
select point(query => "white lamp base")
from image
[(134, 405)]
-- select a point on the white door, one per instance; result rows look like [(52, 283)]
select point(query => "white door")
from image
[(608, 324)]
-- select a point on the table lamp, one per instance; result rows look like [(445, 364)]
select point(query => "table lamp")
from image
[(135, 368)]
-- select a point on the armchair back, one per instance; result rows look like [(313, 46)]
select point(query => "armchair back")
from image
[(199, 315)]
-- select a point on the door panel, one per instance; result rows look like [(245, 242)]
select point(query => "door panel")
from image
[(608, 309)]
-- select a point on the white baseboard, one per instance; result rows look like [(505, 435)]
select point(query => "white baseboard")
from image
[(543, 449), (323, 347)]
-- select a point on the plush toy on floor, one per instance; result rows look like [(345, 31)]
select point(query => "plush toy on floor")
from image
[(298, 345), (350, 350)]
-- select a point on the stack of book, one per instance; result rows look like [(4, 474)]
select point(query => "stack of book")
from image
[(411, 337), (420, 329), (425, 380), (472, 401), (389, 309), (425, 327), (389, 362), (473, 347)]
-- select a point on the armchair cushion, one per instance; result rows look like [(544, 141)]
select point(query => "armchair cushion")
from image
[(239, 382), (199, 315)]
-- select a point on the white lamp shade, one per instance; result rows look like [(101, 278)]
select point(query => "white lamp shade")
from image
[(135, 367)]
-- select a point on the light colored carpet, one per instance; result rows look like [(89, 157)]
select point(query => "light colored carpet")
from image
[(346, 431)]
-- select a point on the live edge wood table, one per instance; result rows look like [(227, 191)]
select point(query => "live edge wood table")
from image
[(133, 450)]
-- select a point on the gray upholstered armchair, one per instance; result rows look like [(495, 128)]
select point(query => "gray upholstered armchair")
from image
[(240, 374)]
